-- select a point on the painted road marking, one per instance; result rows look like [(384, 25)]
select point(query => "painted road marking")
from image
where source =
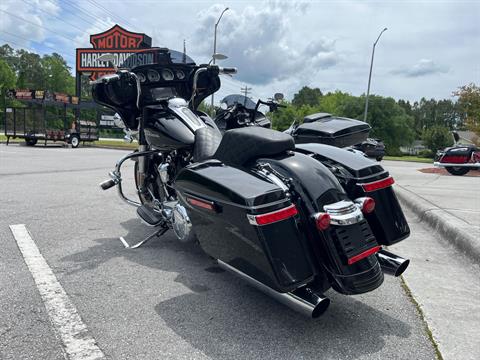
[(77, 341)]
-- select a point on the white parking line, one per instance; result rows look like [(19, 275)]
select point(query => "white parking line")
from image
[(77, 341)]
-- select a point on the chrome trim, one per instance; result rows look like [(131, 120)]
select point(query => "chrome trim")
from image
[(305, 301), (116, 175), (343, 213), (392, 264), (469, 165)]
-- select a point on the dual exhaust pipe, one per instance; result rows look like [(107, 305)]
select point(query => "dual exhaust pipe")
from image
[(305, 300)]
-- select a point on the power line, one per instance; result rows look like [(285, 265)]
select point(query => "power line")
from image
[(246, 91), (111, 13), (78, 8), (77, 15), (57, 17), (37, 42), (40, 26), (14, 43)]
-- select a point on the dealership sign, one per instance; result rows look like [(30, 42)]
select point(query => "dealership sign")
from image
[(128, 48)]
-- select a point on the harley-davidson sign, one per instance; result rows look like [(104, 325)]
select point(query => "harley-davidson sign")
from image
[(129, 49)]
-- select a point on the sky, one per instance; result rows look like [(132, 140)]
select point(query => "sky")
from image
[(429, 49)]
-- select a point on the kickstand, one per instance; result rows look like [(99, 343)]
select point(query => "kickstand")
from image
[(157, 233)]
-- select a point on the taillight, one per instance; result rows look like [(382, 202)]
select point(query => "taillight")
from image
[(377, 185), (274, 216), (363, 255), (367, 204), (322, 221)]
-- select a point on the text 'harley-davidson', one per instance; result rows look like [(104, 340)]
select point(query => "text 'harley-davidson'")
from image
[(293, 221)]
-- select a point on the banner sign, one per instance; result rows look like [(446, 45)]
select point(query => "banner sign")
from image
[(130, 49), (42, 95)]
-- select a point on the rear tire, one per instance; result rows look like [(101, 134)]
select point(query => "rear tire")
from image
[(30, 141), (75, 141), (457, 170)]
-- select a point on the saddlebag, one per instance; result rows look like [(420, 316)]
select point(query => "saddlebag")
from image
[(362, 177), (331, 130), (246, 222)]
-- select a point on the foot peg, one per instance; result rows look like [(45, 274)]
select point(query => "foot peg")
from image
[(149, 216)]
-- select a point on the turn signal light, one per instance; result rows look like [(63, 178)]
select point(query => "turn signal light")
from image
[(377, 185), (367, 204), (207, 205), (274, 216), (322, 221)]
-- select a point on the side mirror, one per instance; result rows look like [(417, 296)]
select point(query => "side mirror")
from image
[(219, 56), (278, 97), (110, 58)]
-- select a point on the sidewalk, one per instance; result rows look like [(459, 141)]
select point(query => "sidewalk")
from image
[(449, 204)]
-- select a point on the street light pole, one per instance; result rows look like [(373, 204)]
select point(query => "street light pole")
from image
[(370, 75), (215, 45)]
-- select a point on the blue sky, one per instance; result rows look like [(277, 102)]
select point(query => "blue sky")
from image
[(429, 49)]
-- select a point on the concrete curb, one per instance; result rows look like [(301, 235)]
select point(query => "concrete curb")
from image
[(462, 235)]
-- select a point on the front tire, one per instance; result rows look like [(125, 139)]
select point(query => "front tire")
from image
[(379, 158), (457, 170)]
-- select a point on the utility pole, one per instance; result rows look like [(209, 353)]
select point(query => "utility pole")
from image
[(246, 91), (370, 75)]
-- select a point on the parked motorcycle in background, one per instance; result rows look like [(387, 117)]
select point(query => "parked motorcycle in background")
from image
[(458, 159), (292, 221), (323, 128)]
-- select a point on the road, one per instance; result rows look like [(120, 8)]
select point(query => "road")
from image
[(166, 300)]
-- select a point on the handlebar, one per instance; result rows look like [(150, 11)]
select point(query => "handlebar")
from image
[(106, 79), (228, 71)]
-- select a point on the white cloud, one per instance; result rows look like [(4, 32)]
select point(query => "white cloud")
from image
[(256, 39), (423, 67)]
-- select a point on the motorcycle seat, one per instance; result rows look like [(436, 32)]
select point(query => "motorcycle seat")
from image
[(207, 140), (241, 145)]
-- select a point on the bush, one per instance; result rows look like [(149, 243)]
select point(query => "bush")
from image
[(437, 138), (426, 154)]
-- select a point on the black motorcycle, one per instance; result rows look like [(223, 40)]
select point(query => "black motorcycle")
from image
[(292, 221), (458, 159)]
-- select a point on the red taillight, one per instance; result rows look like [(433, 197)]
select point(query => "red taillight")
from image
[(274, 216), (322, 221), (368, 205), (377, 185), (201, 203), (363, 255)]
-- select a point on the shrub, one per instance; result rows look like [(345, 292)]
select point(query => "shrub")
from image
[(437, 138)]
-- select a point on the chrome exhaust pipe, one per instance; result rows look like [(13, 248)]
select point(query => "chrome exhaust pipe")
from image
[(303, 300), (392, 264)]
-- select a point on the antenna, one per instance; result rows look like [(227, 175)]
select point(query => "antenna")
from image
[(184, 57)]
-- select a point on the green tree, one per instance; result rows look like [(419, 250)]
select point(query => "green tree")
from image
[(7, 76), (307, 96), (469, 106), (57, 75), (437, 137), (29, 70)]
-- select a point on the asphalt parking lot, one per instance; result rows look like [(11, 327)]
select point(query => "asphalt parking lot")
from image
[(166, 300)]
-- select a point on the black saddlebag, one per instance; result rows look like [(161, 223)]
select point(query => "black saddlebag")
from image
[(361, 177), (233, 214), (331, 130)]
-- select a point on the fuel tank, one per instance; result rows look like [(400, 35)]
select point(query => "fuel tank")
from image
[(166, 131)]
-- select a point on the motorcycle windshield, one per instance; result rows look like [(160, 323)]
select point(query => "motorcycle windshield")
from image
[(233, 99), (155, 56)]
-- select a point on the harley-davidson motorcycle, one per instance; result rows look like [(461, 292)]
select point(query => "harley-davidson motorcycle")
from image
[(293, 221), (458, 159)]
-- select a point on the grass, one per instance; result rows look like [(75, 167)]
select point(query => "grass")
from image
[(100, 143), (409, 158)]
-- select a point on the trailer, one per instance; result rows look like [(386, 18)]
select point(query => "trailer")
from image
[(48, 117)]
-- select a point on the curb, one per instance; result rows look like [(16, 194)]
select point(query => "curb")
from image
[(463, 236)]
